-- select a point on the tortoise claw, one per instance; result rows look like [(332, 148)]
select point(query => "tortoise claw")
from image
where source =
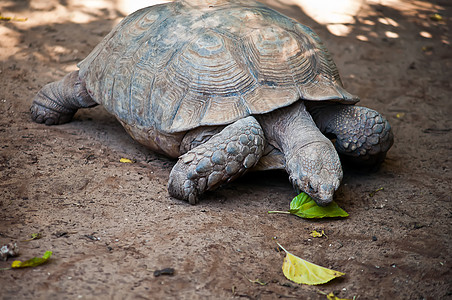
[(42, 114)]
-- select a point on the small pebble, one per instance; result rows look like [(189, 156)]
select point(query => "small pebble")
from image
[(166, 271)]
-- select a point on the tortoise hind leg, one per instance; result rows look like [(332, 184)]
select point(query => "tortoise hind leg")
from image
[(57, 102), (224, 157), (362, 135)]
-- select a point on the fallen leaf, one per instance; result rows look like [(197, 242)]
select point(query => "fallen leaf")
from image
[(317, 234), (436, 17), (2, 18), (301, 271), (126, 160), (305, 207), (331, 296), (33, 262)]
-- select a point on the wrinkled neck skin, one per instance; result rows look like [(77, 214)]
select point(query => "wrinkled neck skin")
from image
[(290, 128), (311, 159)]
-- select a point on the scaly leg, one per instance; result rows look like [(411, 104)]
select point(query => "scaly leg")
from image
[(224, 157), (57, 102), (362, 134)]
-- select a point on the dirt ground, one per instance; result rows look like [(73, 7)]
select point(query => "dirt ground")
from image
[(110, 225)]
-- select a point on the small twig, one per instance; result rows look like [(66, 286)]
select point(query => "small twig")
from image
[(377, 190), (258, 281), (278, 212)]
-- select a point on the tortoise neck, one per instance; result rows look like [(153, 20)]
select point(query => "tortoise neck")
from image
[(290, 128)]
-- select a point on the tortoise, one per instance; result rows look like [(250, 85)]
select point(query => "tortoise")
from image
[(225, 87)]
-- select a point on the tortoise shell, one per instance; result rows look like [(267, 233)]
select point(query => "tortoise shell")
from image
[(177, 66)]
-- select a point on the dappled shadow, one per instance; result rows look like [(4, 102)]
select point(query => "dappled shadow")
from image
[(367, 15), (375, 24)]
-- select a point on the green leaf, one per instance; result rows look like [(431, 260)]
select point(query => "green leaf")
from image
[(305, 207), (33, 262), (301, 271)]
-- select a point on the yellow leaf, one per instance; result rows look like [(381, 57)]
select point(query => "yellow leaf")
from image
[(2, 18), (331, 296), (301, 271), (436, 17), (317, 234), (125, 160), (32, 262)]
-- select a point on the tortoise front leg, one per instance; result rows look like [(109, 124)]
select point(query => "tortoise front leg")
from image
[(57, 102), (223, 158), (362, 135)]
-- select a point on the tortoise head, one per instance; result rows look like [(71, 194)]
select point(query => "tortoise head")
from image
[(316, 170)]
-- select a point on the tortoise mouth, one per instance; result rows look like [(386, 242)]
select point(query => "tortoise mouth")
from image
[(323, 195), (323, 202)]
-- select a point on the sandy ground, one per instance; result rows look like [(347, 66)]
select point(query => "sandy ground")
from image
[(111, 225)]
